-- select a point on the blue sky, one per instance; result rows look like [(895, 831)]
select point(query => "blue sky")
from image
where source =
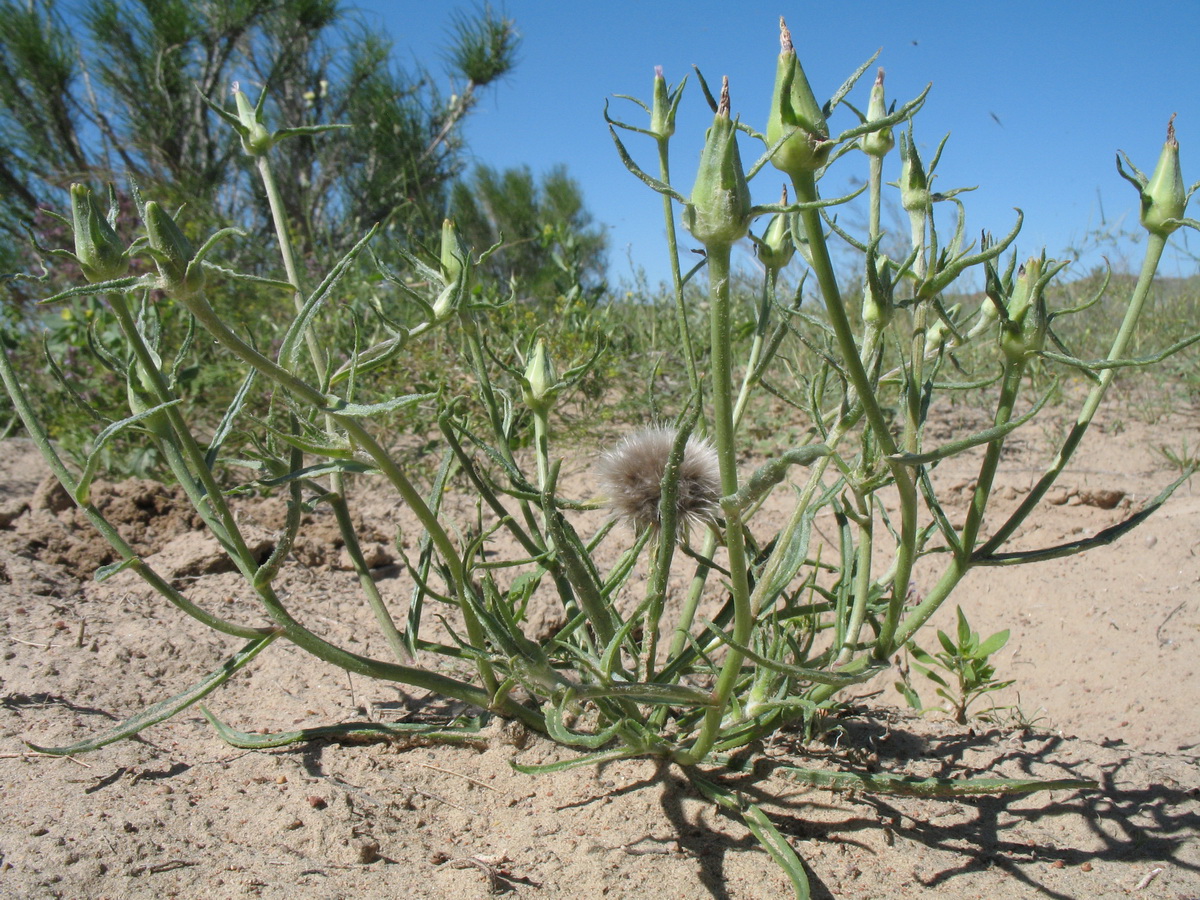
[(1037, 98)]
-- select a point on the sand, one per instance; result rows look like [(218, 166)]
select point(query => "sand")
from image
[(1103, 648)]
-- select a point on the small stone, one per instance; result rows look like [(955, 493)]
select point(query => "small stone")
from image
[(375, 555), (316, 802), (509, 733), (282, 779), (366, 849), (293, 825), (1102, 498)]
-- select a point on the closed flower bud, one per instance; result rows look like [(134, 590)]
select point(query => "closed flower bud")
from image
[(796, 117), (101, 255), (662, 108), (719, 212), (1025, 331), (939, 332), (988, 314), (914, 185), (173, 252), (453, 254), (877, 143), (877, 305), (256, 139), (541, 381), (776, 247), (1165, 196)]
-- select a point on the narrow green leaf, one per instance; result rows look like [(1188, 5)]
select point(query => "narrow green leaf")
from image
[(559, 732), (315, 471), (104, 573), (355, 732), (804, 673), (908, 785), (646, 692), (588, 759), (341, 407), (166, 708), (289, 350), (761, 827), (84, 488), (953, 448)]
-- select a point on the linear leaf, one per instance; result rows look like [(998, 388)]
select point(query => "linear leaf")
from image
[(909, 785), (164, 709), (761, 827), (356, 732)]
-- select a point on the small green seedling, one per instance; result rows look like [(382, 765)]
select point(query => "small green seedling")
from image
[(968, 673), (1186, 459)]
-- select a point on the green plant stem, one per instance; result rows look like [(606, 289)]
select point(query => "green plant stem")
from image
[(495, 417), (862, 578), (383, 616), (42, 441), (1155, 245), (484, 698), (735, 539), (806, 192), (663, 550), (767, 298), (685, 334), (875, 195), (337, 480), (279, 217), (961, 562), (687, 614), (206, 316), (1009, 388), (209, 502), (770, 571)]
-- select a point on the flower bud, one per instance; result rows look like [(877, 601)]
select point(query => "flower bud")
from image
[(139, 390), (541, 381), (1164, 198), (173, 252), (939, 332), (877, 143), (1025, 331), (101, 255), (256, 139), (662, 110), (877, 305), (453, 254), (719, 212), (914, 185), (776, 247), (796, 117), (987, 315)]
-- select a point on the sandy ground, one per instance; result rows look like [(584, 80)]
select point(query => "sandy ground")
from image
[(1103, 650)]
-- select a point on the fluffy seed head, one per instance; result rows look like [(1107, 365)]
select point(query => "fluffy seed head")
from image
[(631, 475)]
